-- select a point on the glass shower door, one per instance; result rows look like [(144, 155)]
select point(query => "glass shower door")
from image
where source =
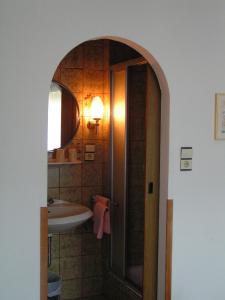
[(136, 148)]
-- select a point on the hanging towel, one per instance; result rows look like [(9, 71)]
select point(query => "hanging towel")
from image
[(101, 216)]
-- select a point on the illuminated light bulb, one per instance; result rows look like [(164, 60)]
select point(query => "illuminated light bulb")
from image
[(97, 108)]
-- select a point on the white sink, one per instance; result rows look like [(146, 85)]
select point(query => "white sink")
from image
[(64, 216)]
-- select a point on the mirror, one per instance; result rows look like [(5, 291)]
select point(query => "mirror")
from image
[(63, 116)]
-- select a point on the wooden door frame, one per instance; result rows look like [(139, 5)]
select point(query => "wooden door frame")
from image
[(152, 174), (169, 243), (43, 253)]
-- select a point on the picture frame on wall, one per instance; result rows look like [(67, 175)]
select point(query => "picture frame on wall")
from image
[(220, 116)]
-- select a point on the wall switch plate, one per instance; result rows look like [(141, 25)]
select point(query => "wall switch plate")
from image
[(186, 152), (89, 156), (186, 164), (90, 148)]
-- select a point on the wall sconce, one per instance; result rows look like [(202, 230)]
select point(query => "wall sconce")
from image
[(96, 111)]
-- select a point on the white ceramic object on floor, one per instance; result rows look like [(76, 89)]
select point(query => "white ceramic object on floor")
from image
[(64, 216)]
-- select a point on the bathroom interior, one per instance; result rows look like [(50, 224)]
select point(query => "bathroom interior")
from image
[(108, 155)]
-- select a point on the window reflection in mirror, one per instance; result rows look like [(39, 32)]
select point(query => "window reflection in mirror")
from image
[(63, 116), (54, 116)]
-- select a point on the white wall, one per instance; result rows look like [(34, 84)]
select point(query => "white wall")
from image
[(187, 39)]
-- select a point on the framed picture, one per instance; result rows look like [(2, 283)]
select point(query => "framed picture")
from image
[(220, 117)]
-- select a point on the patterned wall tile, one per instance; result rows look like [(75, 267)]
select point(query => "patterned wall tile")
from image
[(53, 177), (70, 267), (88, 193), (106, 151), (72, 194), (106, 89), (53, 193), (93, 57), (70, 176), (91, 286), (72, 79), (90, 244), (74, 59), (92, 174), (71, 289), (70, 244), (91, 265), (54, 266), (93, 82), (55, 245)]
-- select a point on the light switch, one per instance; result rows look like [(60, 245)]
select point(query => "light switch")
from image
[(186, 164), (90, 148), (89, 156), (186, 154)]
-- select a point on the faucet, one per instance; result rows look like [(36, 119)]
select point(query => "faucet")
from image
[(50, 201)]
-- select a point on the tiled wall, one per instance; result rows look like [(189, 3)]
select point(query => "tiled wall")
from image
[(77, 255)]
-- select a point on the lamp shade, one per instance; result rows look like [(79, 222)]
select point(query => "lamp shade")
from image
[(97, 108)]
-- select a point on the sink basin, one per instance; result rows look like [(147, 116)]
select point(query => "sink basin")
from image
[(64, 216)]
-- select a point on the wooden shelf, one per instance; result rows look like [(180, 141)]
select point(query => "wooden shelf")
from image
[(52, 163)]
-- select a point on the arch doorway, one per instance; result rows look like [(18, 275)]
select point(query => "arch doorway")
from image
[(131, 150)]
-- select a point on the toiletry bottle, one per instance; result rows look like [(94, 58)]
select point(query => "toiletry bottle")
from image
[(60, 155), (72, 154)]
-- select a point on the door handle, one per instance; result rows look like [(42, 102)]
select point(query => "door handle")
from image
[(150, 187)]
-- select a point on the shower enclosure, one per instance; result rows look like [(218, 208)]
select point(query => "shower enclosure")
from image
[(135, 122)]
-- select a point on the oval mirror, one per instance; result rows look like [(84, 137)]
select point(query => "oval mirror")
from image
[(63, 116)]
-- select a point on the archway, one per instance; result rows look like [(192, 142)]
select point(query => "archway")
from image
[(164, 153)]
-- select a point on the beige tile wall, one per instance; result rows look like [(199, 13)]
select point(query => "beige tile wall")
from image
[(77, 256)]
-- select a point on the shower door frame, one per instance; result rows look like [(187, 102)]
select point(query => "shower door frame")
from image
[(118, 207), (147, 294)]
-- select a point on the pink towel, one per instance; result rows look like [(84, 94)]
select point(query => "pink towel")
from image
[(101, 216)]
